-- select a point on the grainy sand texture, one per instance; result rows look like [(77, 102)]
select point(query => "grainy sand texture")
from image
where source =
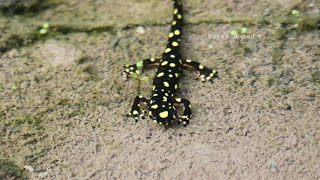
[(63, 99)]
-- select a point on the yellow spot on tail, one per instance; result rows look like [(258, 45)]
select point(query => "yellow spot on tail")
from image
[(174, 43), (172, 65), (166, 84), (172, 56), (135, 112), (177, 32), (201, 66), (167, 50), (160, 74), (179, 16), (188, 60), (153, 88), (171, 35), (176, 74), (175, 11), (178, 99), (164, 114), (174, 22), (164, 63), (152, 59), (154, 106), (170, 76)]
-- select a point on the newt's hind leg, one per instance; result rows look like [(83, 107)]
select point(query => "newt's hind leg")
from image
[(204, 73), (139, 66), (186, 115), (135, 109)]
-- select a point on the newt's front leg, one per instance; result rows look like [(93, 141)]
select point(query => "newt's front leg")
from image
[(135, 109), (205, 73), (139, 66), (186, 115)]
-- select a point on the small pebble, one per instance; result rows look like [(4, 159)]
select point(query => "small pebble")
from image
[(274, 167), (42, 175), (140, 30), (29, 168)]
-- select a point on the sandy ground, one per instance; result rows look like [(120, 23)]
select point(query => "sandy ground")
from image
[(63, 99)]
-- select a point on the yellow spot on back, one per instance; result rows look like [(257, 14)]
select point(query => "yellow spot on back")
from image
[(164, 63), (160, 74), (163, 114), (175, 11), (135, 112), (177, 32), (176, 74), (153, 88), (154, 106), (176, 86), (152, 59), (164, 99), (171, 34), (172, 65), (174, 43), (167, 50), (166, 84), (174, 22), (170, 75), (179, 16), (172, 56), (178, 99), (188, 60)]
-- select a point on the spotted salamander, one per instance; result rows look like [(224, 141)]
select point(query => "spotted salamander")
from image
[(166, 82)]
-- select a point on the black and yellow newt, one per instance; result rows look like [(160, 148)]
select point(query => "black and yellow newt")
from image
[(166, 82)]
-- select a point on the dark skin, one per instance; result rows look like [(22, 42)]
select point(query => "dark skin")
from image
[(166, 82)]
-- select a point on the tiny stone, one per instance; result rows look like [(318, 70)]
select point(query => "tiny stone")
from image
[(42, 175), (274, 167), (29, 168), (140, 30)]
